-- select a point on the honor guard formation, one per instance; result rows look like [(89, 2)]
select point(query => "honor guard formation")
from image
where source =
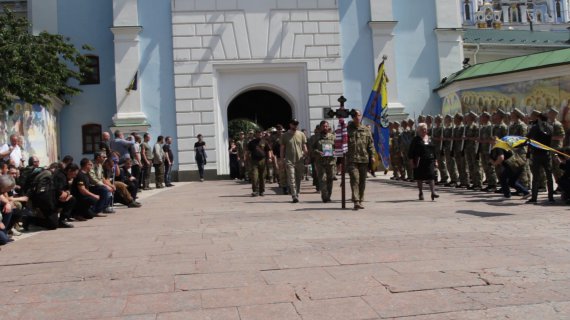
[(450, 151)]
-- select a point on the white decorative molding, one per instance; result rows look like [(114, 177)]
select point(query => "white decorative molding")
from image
[(230, 40)]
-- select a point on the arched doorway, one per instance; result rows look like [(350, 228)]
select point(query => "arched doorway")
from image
[(263, 107)]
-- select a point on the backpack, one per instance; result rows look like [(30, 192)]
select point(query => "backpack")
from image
[(27, 178), (42, 183)]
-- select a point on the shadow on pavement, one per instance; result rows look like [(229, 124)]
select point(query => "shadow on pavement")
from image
[(483, 214)]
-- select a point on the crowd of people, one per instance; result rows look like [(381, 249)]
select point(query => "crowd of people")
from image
[(287, 157), (460, 151), (466, 151), (52, 196)]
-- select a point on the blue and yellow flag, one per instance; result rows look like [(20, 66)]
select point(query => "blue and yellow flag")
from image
[(375, 110), (511, 142)]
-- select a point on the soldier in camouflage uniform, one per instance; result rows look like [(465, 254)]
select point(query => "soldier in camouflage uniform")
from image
[(448, 144), (404, 146), (519, 128), (472, 135), (437, 137), (396, 153), (485, 143), (241, 154), (281, 167), (248, 169), (360, 154), (557, 139), (323, 148), (459, 150), (500, 130)]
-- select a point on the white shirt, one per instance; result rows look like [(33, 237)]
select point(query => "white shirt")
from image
[(15, 156)]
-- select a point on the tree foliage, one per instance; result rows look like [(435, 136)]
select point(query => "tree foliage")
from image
[(237, 125), (36, 68)]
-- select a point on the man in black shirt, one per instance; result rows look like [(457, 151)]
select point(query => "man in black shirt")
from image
[(168, 161), (540, 131), (259, 151), (91, 199)]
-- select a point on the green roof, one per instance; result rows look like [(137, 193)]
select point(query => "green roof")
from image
[(510, 65), (517, 37)]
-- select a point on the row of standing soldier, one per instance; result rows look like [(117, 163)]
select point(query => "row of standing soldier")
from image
[(463, 147)]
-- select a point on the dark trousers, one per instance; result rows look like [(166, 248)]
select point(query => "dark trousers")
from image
[(510, 179), (159, 174), (167, 175), (234, 168), (105, 198), (146, 170), (136, 171), (542, 160), (6, 217), (201, 169)]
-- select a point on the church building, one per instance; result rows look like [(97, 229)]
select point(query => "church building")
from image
[(186, 67)]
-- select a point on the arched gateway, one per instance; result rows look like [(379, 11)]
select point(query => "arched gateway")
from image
[(264, 107)]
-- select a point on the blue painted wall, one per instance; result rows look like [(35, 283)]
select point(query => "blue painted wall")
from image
[(357, 51), (417, 56), (157, 69), (88, 22)]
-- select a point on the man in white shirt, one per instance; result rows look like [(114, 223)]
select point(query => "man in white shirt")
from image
[(12, 153)]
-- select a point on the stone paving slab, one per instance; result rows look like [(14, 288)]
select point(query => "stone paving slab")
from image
[(210, 251)]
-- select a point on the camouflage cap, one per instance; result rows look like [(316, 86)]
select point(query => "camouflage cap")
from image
[(472, 114), (458, 116), (501, 112), (535, 112), (448, 116), (438, 116), (485, 114), (396, 123), (553, 110)]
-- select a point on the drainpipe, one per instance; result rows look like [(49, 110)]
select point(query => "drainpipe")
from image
[(475, 54)]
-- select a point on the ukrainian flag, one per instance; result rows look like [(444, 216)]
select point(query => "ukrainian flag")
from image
[(375, 110)]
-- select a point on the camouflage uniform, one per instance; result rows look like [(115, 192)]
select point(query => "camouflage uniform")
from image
[(519, 128), (448, 144), (458, 153), (360, 151), (438, 133), (557, 132), (241, 154), (325, 165), (311, 141), (485, 152), (396, 155), (470, 152), (500, 130)]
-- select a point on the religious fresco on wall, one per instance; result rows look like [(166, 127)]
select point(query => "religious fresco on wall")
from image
[(525, 95), (38, 127)]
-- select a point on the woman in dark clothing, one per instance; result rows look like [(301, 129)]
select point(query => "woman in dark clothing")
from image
[(200, 155), (510, 172), (234, 162), (422, 159)]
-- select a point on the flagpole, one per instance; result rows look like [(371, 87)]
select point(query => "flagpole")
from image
[(342, 100)]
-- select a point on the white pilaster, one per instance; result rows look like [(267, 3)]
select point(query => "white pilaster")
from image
[(126, 30), (449, 37), (506, 19), (523, 14), (383, 26), (565, 9), (43, 16)]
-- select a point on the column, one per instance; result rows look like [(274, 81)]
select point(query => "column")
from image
[(449, 36), (382, 24), (565, 8), (506, 18), (126, 30), (523, 13)]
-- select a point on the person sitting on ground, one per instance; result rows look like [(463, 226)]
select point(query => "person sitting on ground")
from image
[(18, 202), (6, 184), (112, 172), (125, 175), (28, 174), (97, 175), (92, 198), (43, 196), (67, 160)]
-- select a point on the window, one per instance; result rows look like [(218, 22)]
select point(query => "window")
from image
[(558, 10), (91, 134), (91, 71)]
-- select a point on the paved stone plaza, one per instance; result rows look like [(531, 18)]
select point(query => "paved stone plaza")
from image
[(210, 251)]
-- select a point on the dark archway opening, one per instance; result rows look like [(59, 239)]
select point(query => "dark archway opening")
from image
[(263, 107)]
